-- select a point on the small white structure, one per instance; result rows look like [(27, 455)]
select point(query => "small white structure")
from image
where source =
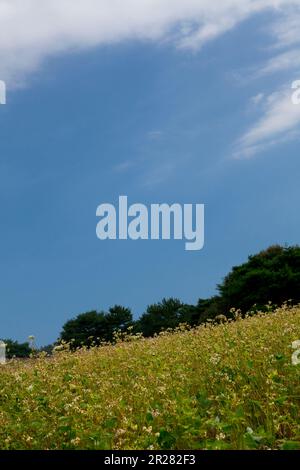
[(296, 355), (2, 352)]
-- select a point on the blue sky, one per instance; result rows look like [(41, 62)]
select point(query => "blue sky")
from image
[(193, 107)]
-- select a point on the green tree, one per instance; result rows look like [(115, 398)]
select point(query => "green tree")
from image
[(15, 349), (208, 309), (118, 318), (168, 313), (85, 329), (271, 275), (95, 327)]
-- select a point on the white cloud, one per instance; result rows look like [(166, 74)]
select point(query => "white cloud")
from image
[(279, 119), (286, 29), (257, 99), (279, 122), (288, 60), (32, 30)]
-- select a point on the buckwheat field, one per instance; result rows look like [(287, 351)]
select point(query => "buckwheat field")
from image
[(232, 385)]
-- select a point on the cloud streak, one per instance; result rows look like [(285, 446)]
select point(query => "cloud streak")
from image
[(278, 123), (32, 30), (287, 60), (279, 119)]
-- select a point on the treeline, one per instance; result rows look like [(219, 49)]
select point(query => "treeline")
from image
[(271, 276)]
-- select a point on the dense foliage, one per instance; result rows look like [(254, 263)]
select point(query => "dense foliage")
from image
[(15, 349), (272, 275), (93, 327)]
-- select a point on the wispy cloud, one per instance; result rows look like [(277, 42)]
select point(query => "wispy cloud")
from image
[(279, 122), (278, 119), (257, 99), (155, 135), (32, 30), (288, 60), (286, 29), (124, 166)]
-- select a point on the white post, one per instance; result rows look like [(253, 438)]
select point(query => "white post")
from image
[(2, 352)]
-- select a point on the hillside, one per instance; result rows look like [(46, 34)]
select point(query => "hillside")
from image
[(225, 386)]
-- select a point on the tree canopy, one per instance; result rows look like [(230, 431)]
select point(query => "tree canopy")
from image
[(168, 313), (273, 275), (96, 327), (16, 349)]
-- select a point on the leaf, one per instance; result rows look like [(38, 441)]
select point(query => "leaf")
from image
[(203, 401), (149, 417), (110, 423), (165, 439), (281, 400)]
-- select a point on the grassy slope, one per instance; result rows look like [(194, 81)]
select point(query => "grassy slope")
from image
[(226, 386)]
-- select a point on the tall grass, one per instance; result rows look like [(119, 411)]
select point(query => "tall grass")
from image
[(225, 386)]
